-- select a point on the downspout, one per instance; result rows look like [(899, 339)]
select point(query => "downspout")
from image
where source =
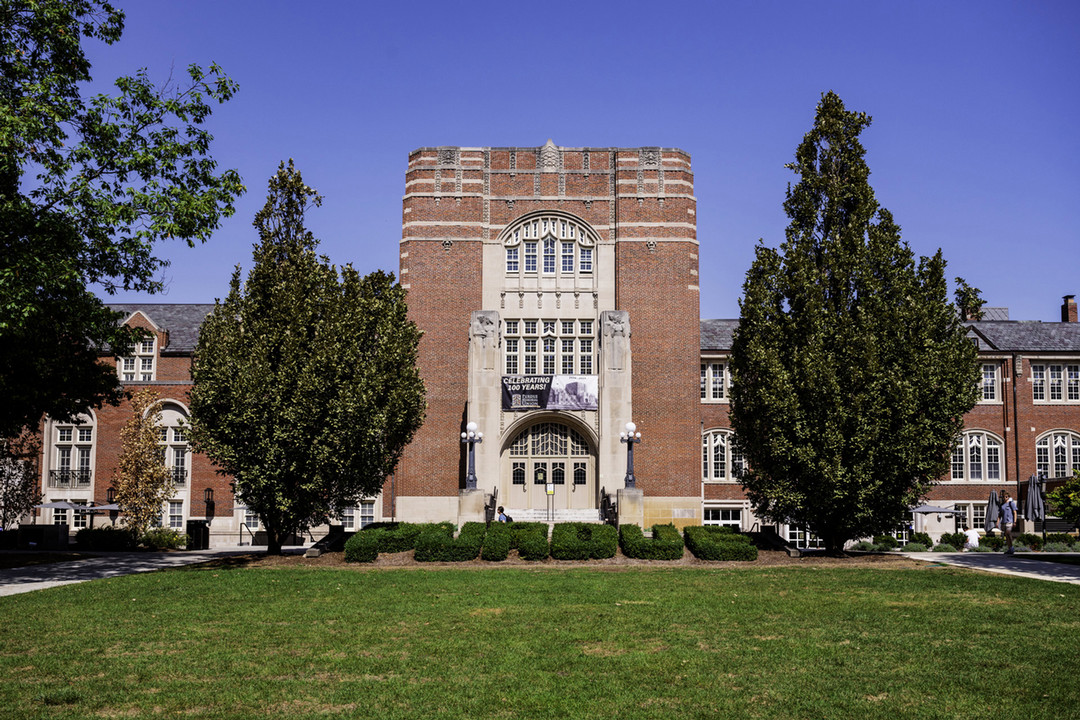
[(1018, 371)]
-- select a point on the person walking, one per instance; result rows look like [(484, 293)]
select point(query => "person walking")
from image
[(1008, 520)]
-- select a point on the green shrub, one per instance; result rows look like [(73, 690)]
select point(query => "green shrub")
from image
[(403, 537), (915, 547), (665, 544), (944, 547), (994, 542), (957, 540), (921, 538), (1064, 538), (438, 544), (886, 542), (1031, 540), (1056, 547), (531, 540), (162, 538), (863, 546), (364, 545), (104, 538), (1018, 547), (496, 542), (570, 541), (605, 541), (719, 543), (981, 548)]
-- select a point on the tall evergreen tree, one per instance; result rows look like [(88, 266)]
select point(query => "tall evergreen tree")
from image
[(306, 389), (851, 372)]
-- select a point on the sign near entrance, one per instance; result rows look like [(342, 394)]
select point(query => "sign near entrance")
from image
[(549, 392)]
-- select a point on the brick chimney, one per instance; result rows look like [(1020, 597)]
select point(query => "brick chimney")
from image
[(1068, 309)]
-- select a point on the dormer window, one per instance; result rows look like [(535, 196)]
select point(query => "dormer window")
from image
[(140, 367)]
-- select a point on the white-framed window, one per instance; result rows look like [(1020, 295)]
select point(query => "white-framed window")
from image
[(1056, 383), (714, 381), (141, 367), (991, 383), (721, 461), (550, 245), (72, 454), (564, 347), (978, 455), (367, 512), (530, 257), (1057, 453), (79, 517), (176, 514), (60, 516), (972, 515), (173, 442), (251, 519), (549, 256), (731, 517), (802, 537)]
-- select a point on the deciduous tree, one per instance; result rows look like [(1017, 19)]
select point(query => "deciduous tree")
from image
[(88, 187), (20, 481), (851, 372), (142, 481), (305, 381)]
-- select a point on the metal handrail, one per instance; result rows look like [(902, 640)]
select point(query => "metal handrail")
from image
[(70, 478), (243, 527)]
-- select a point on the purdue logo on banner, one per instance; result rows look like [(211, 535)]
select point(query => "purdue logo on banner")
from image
[(549, 392)]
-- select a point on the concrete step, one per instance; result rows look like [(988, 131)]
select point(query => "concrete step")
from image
[(558, 516)]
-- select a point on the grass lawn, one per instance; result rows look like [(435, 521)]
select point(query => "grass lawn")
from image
[(790, 642)]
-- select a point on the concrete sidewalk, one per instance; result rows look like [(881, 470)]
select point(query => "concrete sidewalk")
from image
[(1018, 564), (103, 565)]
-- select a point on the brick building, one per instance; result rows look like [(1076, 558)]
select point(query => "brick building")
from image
[(557, 289)]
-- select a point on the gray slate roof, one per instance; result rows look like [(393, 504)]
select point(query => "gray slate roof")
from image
[(1001, 335), (182, 320), (716, 334), (1029, 335)]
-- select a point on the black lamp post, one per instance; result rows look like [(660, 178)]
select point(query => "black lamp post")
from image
[(208, 498), (630, 436), (471, 436)]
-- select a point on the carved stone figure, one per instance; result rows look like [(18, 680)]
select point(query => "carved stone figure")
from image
[(616, 337)]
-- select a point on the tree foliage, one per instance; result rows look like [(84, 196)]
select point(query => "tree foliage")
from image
[(20, 481), (851, 372), (87, 189), (142, 481), (1065, 499), (305, 381)]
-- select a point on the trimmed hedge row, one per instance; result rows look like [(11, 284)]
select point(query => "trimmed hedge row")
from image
[(105, 538), (719, 543), (665, 544), (581, 541), (438, 544), (531, 540), (366, 545)]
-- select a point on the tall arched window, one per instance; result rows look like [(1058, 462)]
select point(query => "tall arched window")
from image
[(721, 461), (1057, 454), (978, 455), (174, 442), (550, 245)]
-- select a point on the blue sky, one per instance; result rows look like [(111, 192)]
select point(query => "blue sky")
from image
[(975, 144)]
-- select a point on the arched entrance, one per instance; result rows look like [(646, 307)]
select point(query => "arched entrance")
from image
[(549, 455)]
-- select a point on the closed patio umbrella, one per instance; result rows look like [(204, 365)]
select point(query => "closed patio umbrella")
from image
[(993, 511), (1034, 508)]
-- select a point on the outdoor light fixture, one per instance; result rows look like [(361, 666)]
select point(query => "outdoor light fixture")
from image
[(629, 436), (208, 496), (110, 495), (471, 436)]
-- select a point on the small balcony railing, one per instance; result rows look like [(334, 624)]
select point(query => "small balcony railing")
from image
[(70, 478), (179, 476)]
